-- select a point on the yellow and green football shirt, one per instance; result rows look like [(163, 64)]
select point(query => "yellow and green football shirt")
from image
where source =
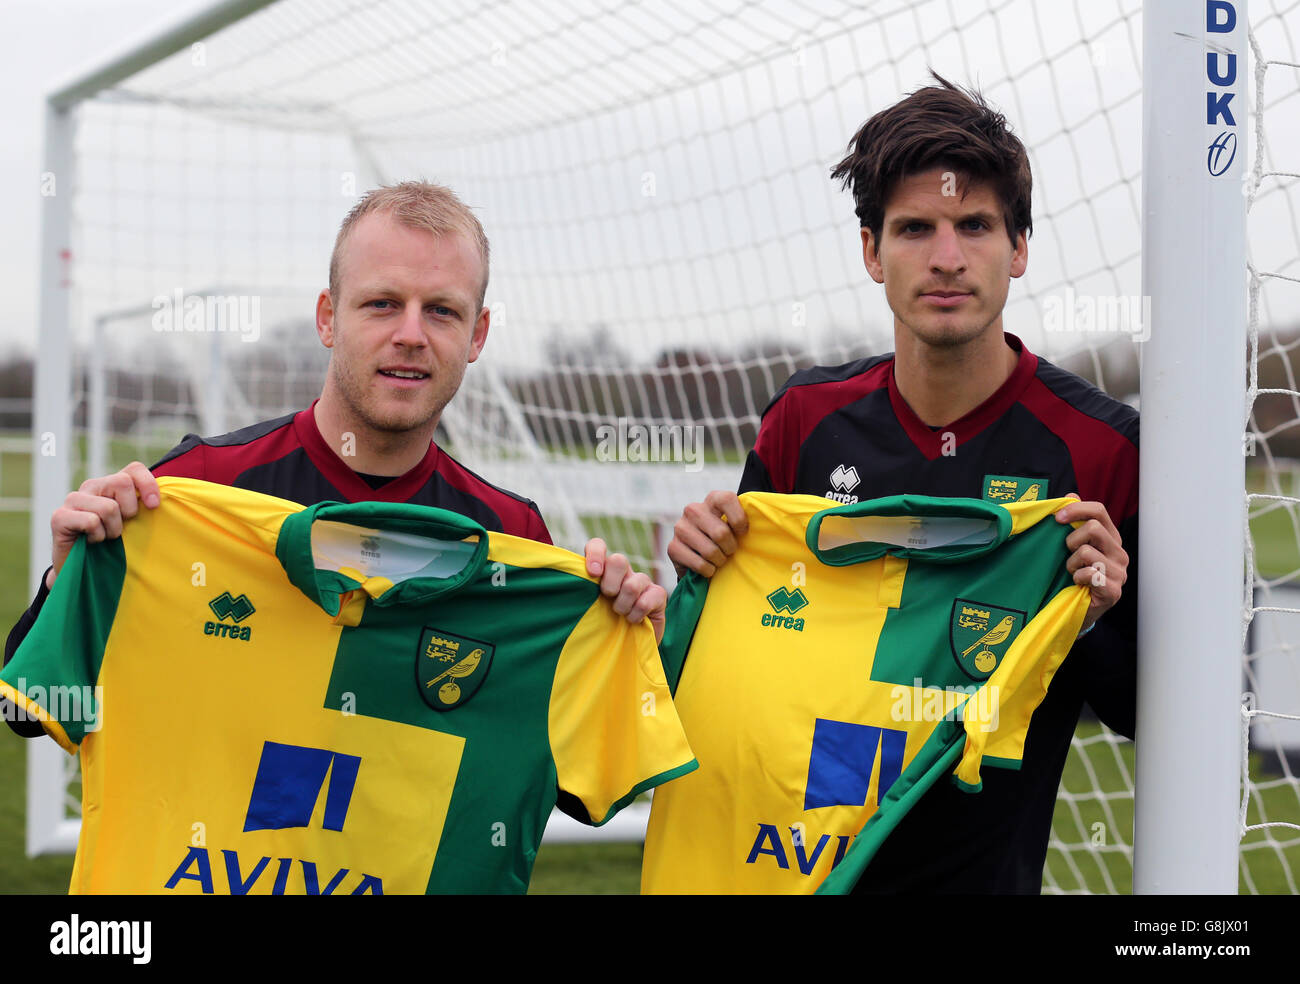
[(842, 661), (346, 698)]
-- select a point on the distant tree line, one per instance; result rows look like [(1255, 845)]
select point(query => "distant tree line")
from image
[(589, 382)]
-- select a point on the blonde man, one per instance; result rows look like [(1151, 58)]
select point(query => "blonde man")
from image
[(402, 316)]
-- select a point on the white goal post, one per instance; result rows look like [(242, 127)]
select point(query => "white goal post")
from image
[(667, 247), (1193, 423)]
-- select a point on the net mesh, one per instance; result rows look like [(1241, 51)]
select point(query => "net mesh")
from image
[(667, 247), (1270, 845)]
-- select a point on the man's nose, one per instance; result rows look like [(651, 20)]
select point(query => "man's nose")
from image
[(410, 326), (947, 254)]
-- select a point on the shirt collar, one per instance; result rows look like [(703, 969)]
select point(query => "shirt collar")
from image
[(325, 587), (350, 484), (931, 442), (850, 544)]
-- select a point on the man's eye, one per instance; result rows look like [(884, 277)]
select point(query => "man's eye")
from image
[(443, 311), (374, 303), (915, 227)]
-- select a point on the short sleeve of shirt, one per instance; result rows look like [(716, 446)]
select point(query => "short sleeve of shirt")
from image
[(54, 672), (614, 731), (683, 615), (996, 717)]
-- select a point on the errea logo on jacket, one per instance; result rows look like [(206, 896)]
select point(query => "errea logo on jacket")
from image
[(843, 481)]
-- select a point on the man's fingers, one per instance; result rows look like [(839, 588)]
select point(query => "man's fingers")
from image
[(1097, 559), (694, 543), (595, 555), (701, 518), (722, 503), (649, 599), (146, 486), (69, 523), (686, 559), (100, 508), (615, 577), (631, 590), (1099, 548), (128, 487), (82, 512), (706, 535), (1079, 511), (1101, 535)]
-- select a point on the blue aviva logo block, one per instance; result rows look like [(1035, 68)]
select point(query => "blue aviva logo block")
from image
[(288, 786), (843, 758)]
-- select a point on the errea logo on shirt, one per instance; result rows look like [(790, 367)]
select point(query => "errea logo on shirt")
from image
[(785, 600), (232, 609)]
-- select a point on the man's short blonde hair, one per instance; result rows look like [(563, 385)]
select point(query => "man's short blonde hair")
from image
[(417, 205)]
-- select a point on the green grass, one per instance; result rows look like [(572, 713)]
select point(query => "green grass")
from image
[(633, 537), (587, 869), (1276, 550), (1274, 526), (1264, 861), (16, 466), (1096, 838)]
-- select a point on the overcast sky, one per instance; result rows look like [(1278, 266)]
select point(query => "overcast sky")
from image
[(47, 42), (566, 199)]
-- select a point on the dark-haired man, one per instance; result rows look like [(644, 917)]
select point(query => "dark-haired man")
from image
[(960, 408)]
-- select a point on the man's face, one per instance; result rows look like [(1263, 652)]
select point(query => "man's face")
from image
[(944, 258), (406, 324)]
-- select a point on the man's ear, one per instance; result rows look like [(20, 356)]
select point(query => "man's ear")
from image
[(325, 318), (1020, 255), (871, 256), (479, 338)]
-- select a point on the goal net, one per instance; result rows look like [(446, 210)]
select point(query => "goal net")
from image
[(667, 247), (1270, 812)]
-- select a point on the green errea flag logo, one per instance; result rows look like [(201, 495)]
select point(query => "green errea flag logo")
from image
[(783, 600), (449, 668), (1011, 488), (981, 634), (790, 602), (228, 609), (236, 609)]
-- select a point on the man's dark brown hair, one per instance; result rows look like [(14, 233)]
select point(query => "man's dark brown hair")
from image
[(937, 126)]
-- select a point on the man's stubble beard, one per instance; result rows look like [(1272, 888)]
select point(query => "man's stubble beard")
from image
[(352, 393), (953, 335)]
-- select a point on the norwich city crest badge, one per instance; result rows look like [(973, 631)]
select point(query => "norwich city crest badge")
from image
[(981, 634), (1011, 488), (449, 668)]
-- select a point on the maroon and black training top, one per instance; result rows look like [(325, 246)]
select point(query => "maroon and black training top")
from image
[(288, 458)]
